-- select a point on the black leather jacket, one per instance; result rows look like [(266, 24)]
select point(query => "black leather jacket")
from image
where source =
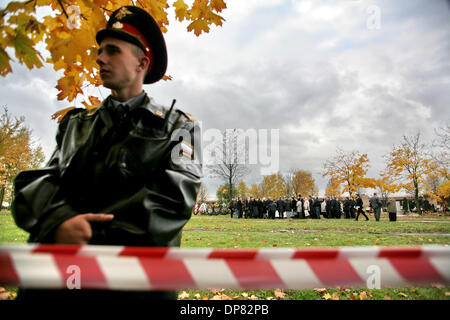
[(131, 165)]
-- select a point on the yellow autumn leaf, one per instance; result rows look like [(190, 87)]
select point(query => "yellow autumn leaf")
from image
[(198, 26), (183, 295), (5, 67), (218, 5), (93, 102), (279, 294), (61, 113), (25, 52), (181, 10), (326, 296)]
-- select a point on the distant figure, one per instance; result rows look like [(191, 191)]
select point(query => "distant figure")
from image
[(392, 210), (359, 208), (376, 204)]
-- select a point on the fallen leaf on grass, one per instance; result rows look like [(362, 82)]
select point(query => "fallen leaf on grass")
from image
[(221, 297), (413, 290), (401, 294), (205, 298), (326, 296), (253, 297), (216, 291), (245, 294), (320, 290), (274, 244), (353, 296), (447, 294), (335, 296), (437, 285), (183, 295), (197, 296), (363, 295), (5, 296), (279, 294), (387, 298)]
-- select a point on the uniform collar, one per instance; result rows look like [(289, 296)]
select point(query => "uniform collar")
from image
[(132, 103)]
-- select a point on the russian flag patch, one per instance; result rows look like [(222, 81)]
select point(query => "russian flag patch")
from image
[(186, 149)]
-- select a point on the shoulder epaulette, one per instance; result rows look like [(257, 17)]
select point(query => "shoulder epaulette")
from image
[(187, 115)]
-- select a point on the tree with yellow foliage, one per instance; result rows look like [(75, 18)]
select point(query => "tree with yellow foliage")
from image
[(333, 188), (242, 190), (408, 164), (17, 150), (273, 186), (349, 169), (303, 183), (69, 30), (443, 192)]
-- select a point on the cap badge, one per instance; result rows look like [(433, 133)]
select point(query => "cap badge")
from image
[(117, 25), (122, 13)]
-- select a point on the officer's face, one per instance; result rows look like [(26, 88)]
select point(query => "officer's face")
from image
[(119, 66)]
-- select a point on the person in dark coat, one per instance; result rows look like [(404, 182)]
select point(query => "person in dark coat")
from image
[(247, 208), (359, 208), (328, 208), (240, 208), (334, 208), (119, 175), (280, 207), (272, 209), (347, 208), (352, 208), (316, 207), (260, 208)]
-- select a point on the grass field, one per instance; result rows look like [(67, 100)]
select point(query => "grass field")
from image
[(223, 232)]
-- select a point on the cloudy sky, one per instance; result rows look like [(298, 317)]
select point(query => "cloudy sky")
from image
[(353, 74)]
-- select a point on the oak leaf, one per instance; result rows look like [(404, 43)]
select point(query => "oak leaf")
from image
[(279, 294), (183, 295), (326, 296)]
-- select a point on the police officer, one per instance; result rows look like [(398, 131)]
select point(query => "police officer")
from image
[(121, 174)]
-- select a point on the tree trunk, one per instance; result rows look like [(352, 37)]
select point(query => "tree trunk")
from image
[(2, 196), (416, 196)]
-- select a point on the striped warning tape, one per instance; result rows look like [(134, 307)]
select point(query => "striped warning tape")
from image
[(122, 268), (209, 253)]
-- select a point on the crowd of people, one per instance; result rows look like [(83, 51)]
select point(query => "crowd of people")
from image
[(302, 208)]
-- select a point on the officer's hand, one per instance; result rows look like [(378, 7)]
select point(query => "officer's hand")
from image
[(77, 230)]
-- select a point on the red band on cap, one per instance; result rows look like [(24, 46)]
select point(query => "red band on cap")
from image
[(132, 30)]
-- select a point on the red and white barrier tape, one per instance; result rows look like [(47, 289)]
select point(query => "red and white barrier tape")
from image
[(126, 268), (209, 253)]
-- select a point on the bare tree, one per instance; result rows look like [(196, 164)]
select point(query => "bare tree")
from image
[(229, 164), (289, 182), (441, 150), (202, 195)]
